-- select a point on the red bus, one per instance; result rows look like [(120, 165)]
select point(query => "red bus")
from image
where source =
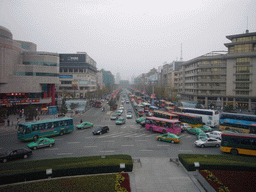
[(163, 125), (165, 115)]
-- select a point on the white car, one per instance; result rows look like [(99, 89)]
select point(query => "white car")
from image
[(129, 115), (185, 126), (208, 142), (214, 134), (121, 107)]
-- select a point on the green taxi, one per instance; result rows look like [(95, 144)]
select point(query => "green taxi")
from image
[(41, 142), (206, 128), (84, 125), (120, 121), (201, 136), (195, 131), (138, 120), (169, 137)]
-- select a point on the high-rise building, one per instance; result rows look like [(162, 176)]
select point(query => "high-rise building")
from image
[(78, 75), (227, 77), (26, 76), (118, 78)]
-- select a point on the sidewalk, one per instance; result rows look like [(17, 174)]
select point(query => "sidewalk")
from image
[(159, 174)]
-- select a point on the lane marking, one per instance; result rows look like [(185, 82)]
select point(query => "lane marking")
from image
[(75, 142), (107, 151), (145, 150), (53, 149), (90, 146), (64, 153)]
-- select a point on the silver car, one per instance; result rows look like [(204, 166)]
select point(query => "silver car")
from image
[(214, 134), (208, 142), (129, 115)]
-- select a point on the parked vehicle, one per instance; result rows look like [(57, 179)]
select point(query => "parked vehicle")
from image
[(206, 128), (120, 121), (202, 136), (15, 154), (195, 131), (84, 125), (129, 115), (138, 120), (208, 142), (114, 117), (214, 134), (185, 126), (100, 130), (169, 137), (41, 142)]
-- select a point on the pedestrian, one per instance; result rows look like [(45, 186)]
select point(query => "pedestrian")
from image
[(8, 122), (81, 121)]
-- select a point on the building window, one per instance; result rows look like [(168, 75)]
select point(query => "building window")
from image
[(242, 77), (242, 92), (242, 86)]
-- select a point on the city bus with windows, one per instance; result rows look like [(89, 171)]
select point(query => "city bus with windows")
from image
[(209, 117), (192, 120), (165, 115), (152, 108), (162, 103), (169, 106), (238, 122), (238, 143), (163, 125), (44, 128)]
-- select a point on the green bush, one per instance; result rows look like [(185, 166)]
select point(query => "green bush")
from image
[(217, 162)]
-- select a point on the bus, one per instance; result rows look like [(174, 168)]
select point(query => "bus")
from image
[(45, 128), (238, 122), (165, 115), (240, 126), (169, 106), (192, 120), (163, 125), (152, 108), (209, 117), (162, 103), (238, 143)]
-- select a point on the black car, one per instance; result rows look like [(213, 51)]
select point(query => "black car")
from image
[(15, 154), (100, 130)]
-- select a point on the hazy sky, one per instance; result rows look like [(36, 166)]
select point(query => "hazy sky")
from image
[(128, 36)]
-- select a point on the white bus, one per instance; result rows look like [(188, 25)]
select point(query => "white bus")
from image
[(209, 117)]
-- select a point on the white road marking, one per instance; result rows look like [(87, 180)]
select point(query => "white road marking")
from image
[(90, 146), (107, 151), (52, 149), (64, 153)]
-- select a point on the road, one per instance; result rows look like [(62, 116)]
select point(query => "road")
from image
[(129, 138)]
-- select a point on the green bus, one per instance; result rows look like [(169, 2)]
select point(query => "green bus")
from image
[(44, 128)]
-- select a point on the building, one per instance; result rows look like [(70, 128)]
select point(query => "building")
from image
[(108, 78), (226, 77), (78, 75), (26, 76)]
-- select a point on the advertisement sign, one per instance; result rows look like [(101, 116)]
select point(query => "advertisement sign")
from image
[(72, 58)]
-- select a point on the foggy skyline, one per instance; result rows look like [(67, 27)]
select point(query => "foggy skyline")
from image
[(129, 37)]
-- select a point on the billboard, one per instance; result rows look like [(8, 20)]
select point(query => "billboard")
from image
[(72, 58)]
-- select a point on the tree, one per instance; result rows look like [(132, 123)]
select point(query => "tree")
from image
[(73, 106), (30, 112), (64, 108)]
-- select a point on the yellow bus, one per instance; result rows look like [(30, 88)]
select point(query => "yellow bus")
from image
[(238, 143)]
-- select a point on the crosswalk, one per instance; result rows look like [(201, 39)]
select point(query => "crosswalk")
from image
[(123, 135)]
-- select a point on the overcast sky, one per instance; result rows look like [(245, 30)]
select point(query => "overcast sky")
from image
[(128, 36)]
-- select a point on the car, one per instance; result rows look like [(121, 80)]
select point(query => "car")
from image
[(114, 117), (206, 128), (41, 142), (127, 102), (185, 126), (207, 142), (84, 125), (148, 114), (120, 121), (195, 131), (143, 123), (201, 136), (214, 134), (138, 120), (15, 154), (129, 115), (100, 130), (129, 110), (169, 137), (121, 107), (118, 113)]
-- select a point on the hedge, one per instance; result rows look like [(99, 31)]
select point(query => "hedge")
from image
[(36, 169), (217, 162)]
